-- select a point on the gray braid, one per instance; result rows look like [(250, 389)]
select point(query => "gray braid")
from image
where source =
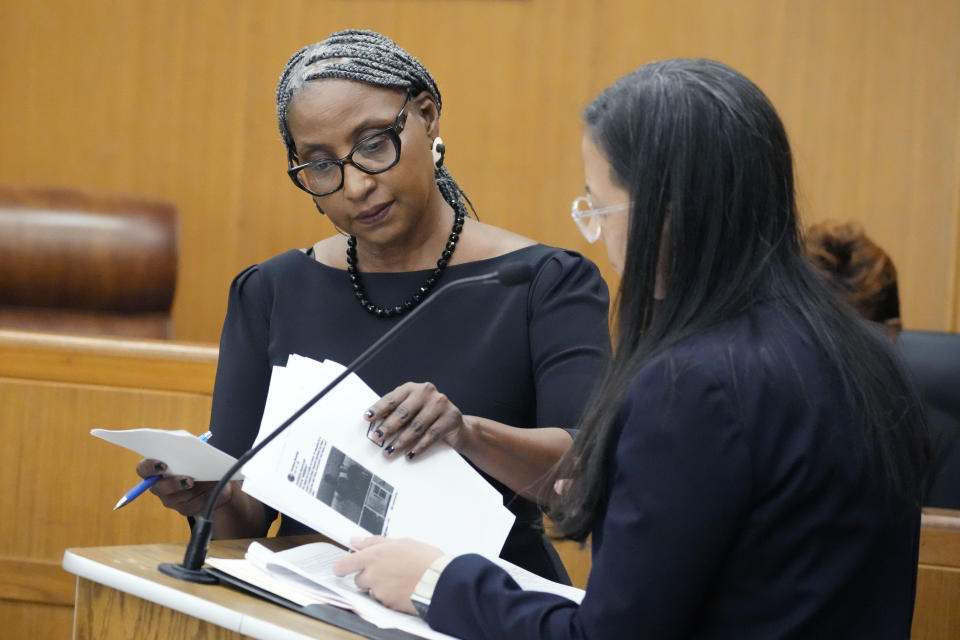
[(369, 58)]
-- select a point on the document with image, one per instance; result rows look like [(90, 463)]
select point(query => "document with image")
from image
[(324, 472)]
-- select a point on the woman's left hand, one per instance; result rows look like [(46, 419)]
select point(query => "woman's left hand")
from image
[(388, 569), (412, 417)]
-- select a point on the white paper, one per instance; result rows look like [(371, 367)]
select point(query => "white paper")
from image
[(324, 472), (184, 453), (312, 564), (285, 584)]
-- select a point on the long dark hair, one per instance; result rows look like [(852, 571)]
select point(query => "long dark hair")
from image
[(701, 150)]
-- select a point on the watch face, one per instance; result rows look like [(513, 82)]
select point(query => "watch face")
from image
[(421, 607)]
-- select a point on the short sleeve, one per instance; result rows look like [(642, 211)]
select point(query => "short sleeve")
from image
[(243, 368), (569, 336), (680, 487)]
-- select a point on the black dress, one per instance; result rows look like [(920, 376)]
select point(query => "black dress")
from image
[(526, 355)]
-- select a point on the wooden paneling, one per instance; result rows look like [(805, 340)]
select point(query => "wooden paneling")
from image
[(157, 365), (115, 615), (41, 581), (937, 612), (105, 613), (60, 482), (870, 95), (32, 620), (175, 100)]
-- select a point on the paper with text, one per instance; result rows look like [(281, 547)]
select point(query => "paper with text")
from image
[(324, 472), (307, 570)]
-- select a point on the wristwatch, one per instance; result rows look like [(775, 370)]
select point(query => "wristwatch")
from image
[(423, 592)]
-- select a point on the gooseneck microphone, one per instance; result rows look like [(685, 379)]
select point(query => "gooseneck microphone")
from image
[(191, 569)]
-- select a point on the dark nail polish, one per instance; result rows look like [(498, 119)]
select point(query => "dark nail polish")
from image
[(390, 449), (160, 467), (184, 483), (368, 413), (379, 433), (410, 455)]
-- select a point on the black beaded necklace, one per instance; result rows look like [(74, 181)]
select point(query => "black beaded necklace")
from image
[(421, 293)]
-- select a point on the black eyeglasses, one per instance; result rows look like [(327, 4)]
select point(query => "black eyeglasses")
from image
[(374, 154)]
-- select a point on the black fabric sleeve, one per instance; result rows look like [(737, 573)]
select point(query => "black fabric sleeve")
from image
[(680, 488), (243, 368), (569, 336)]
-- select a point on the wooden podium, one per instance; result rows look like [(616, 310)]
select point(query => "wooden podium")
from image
[(122, 595)]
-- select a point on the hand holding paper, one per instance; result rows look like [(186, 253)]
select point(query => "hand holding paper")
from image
[(182, 452), (411, 418), (324, 472), (185, 459), (150, 477)]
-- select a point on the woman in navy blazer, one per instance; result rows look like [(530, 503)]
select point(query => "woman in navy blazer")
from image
[(751, 463)]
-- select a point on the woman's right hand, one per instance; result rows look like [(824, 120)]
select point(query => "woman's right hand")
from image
[(181, 493)]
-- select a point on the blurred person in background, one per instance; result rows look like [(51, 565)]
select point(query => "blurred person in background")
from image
[(864, 275)]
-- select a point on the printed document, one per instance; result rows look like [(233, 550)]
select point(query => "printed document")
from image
[(304, 575), (324, 472)]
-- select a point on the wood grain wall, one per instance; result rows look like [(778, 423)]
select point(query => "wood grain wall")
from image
[(175, 99), (60, 482)]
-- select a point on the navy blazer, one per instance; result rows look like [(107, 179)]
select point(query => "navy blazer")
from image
[(738, 508)]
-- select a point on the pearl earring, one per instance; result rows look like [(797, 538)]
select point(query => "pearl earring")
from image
[(438, 151)]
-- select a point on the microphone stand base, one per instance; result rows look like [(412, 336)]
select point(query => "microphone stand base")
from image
[(180, 572)]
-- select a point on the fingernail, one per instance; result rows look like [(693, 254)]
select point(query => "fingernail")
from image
[(378, 432), (411, 454), (390, 449), (368, 413), (159, 466), (185, 483)]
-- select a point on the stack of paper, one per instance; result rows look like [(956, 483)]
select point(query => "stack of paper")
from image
[(325, 472), (304, 575)]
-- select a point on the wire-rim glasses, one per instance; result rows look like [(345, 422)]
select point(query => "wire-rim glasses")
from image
[(588, 218), (374, 154)]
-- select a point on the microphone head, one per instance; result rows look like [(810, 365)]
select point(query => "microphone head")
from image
[(514, 273)]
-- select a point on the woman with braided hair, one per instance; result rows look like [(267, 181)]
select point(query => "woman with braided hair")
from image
[(499, 373)]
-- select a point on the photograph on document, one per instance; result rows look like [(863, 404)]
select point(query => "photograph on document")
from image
[(354, 492), (345, 485)]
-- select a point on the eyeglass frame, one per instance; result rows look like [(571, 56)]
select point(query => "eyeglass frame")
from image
[(579, 215), (393, 134)]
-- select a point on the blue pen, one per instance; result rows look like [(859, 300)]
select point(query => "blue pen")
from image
[(146, 483)]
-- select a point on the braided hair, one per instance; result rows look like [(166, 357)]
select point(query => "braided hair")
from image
[(369, 58)]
